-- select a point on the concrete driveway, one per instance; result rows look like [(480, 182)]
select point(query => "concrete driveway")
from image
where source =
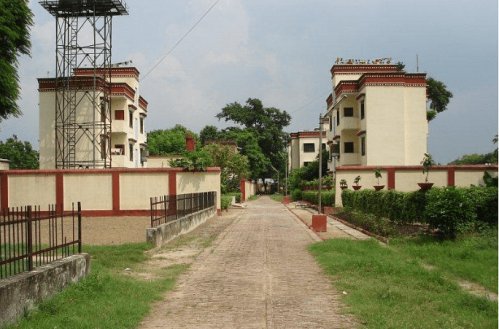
[(257, 274)]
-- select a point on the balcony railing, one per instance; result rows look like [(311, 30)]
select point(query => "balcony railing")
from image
[(349, 123)]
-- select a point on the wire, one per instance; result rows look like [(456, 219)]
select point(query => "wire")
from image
[(181, 39)]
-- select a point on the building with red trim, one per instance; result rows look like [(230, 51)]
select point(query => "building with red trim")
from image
[(303, 146), (128, 111), (376, 114)]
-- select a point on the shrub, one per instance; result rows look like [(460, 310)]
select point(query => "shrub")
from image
[(225, 201), (484, 200), (449, 210), (296, 194), (328, 199)]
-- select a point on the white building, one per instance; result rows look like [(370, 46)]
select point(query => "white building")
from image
[(303, 147), (128, 113), (377, 115)]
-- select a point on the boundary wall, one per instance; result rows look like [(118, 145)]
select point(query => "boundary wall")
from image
[(103, 192), (21, 292), (406, 178), (248, 189)]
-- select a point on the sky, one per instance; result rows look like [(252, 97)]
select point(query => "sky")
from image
[(281, 51)]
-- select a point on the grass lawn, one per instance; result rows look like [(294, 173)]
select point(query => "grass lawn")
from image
[(107, 298), (386, 287), (472, 257)]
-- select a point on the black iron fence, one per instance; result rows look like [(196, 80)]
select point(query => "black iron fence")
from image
[(171, 207), (30, 237)]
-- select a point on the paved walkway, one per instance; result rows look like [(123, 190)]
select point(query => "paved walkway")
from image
[(335, 229), (257, 274)]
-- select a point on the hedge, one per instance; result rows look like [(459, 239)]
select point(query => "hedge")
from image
[(450, 209), (225, 201), (327, 197)]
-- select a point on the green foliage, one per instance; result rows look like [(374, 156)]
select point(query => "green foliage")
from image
[(474, 158), (438, 96), (386, 287), (208, 134), (15, 21), (20, 154), (233, 165), (327, 197), (247, 142), (225, 201), (399, 207), (193, 161), (377, 174), (427, 163), (267, 126), (296, 194), (484, 201), (168, 141), (489, 180), (237, 196), (449, 210), (357, 180)]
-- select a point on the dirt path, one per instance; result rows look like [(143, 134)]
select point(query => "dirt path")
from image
[(257, 274)]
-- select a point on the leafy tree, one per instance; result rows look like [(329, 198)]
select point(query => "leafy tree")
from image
[(168, 141), (15, 21), (208, 133), (438, 96), (233, 165), (470, 159), (247, 141), (266, 123), (20, 154)]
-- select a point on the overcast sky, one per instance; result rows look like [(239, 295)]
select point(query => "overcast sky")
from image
[(281, 51)]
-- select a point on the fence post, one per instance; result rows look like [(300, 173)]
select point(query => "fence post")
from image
[(29, 230), (79, 227)]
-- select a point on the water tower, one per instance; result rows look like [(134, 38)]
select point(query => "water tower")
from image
[(82, 102)]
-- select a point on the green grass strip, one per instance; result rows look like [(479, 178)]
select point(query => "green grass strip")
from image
[(106, 298), (387, 289), (469, 257)]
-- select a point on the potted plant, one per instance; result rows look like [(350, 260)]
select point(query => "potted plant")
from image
[(356, 181), (343, 184), (377, 174), (427, 163)]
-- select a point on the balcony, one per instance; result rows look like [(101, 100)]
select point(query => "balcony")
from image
[(349, 123)]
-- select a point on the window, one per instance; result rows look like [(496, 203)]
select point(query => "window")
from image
[(348, 112), (130, 119), (141, 125), (363, 146), (308, 147), (119, 115), (130, 150), (331, 123), (120, 149), (323, 146), (306, 163), (362, 113), (348, 147)]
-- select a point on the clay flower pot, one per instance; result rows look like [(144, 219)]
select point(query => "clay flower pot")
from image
[(425, 186), (379, 187), (356, 187)]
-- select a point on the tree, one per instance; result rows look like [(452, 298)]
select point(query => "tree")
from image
[(233, 165), (168, 141), (266, 124), (20, 154), (15, 21), (207, 134), (438, 96)]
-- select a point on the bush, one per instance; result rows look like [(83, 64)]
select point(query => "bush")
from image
[(449, 210), (296, 194), (327, 197), (225, 201), (484, 200)]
